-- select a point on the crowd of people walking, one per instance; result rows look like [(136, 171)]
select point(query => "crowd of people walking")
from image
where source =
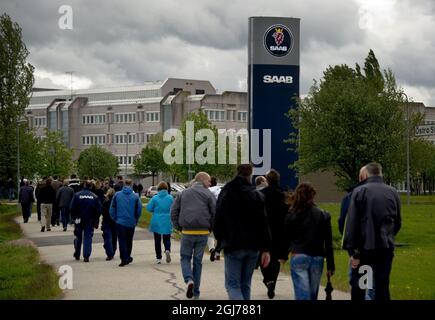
[(254, 225)]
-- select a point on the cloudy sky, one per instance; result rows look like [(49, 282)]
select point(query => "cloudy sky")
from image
[(115, 43)]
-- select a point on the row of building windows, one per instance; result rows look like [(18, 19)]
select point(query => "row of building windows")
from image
[(94, 139), (133, 138), (231, 115), (127, 117), (94, 119)]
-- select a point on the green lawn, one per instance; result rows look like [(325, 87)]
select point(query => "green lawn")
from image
[(22, 276), (414, 263)]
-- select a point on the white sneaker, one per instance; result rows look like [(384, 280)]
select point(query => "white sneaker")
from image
[(158, 261), (168, 256)]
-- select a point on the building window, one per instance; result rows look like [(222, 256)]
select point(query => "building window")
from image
[(215, 115), (122, 160), (153, 116), (122, 138), (93, 119), (242, 116), (99, 139), (199, 91), (40, 121), (129, 117)]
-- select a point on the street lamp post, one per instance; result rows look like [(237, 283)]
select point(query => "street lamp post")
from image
[(19, 121), (126, 155), (408, 180)]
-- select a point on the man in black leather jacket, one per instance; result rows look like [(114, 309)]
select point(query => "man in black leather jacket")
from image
[(373, 221)]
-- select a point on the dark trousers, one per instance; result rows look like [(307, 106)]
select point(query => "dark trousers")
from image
[(110, 237), (380, 261), (65, 216), (55, 215), (270, 274), (158, 243), (26, 209), (38, 210), (125, 238), (84, 233)]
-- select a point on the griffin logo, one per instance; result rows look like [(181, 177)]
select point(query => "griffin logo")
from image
[(278, 40)]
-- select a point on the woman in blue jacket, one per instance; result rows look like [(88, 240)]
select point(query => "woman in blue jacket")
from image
[(161, 225)]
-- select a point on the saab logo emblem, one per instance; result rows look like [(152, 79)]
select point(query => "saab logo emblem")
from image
[(278, 40)]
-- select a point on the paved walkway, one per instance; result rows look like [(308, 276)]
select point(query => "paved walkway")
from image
[(143, 279)]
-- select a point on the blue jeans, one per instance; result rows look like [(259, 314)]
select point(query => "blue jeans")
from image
[(125, 238), (84, 233), (306, 272), (64, 212), (192, 246), (356, 292), (239, 268), (110, 237)]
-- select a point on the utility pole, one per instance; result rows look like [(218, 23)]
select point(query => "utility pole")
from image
[(408, 122)]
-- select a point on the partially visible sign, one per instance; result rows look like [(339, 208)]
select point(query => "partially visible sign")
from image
[(426, 130)]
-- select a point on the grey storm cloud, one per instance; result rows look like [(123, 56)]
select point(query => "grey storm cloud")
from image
[(128, 42)]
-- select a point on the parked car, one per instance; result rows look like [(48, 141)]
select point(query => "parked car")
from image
[(151, 191)]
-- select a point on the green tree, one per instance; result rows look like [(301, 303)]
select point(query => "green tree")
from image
[(97, 162), (422, 159), (56, 156), (349, 118), (149, 162), (16, 82), (221, 171), (31, 161)]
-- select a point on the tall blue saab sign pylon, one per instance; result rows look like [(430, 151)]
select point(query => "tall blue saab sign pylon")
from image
[(273, 86)]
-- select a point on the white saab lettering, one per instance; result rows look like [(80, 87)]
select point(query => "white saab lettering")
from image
[(278, 48), (277, 79), (86, 197)]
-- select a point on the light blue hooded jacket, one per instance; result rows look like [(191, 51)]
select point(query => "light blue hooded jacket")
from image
[(160, 207)]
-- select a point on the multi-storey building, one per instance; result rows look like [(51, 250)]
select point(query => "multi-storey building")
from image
[(123, 119)]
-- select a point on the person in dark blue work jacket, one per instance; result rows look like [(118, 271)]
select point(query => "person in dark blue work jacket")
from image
[(85, 212)]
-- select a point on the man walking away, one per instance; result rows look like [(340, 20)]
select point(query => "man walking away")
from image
[(56, 185), (47, 197), (85, 211), (276, 208), (64, 197), (119, 184), (26, 199), (74, 183), (356, 293), (373, 221), (213, 248), (125, 210), (241, 227), (193, 213)]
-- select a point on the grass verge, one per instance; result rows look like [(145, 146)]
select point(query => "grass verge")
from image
[(22, 275)]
